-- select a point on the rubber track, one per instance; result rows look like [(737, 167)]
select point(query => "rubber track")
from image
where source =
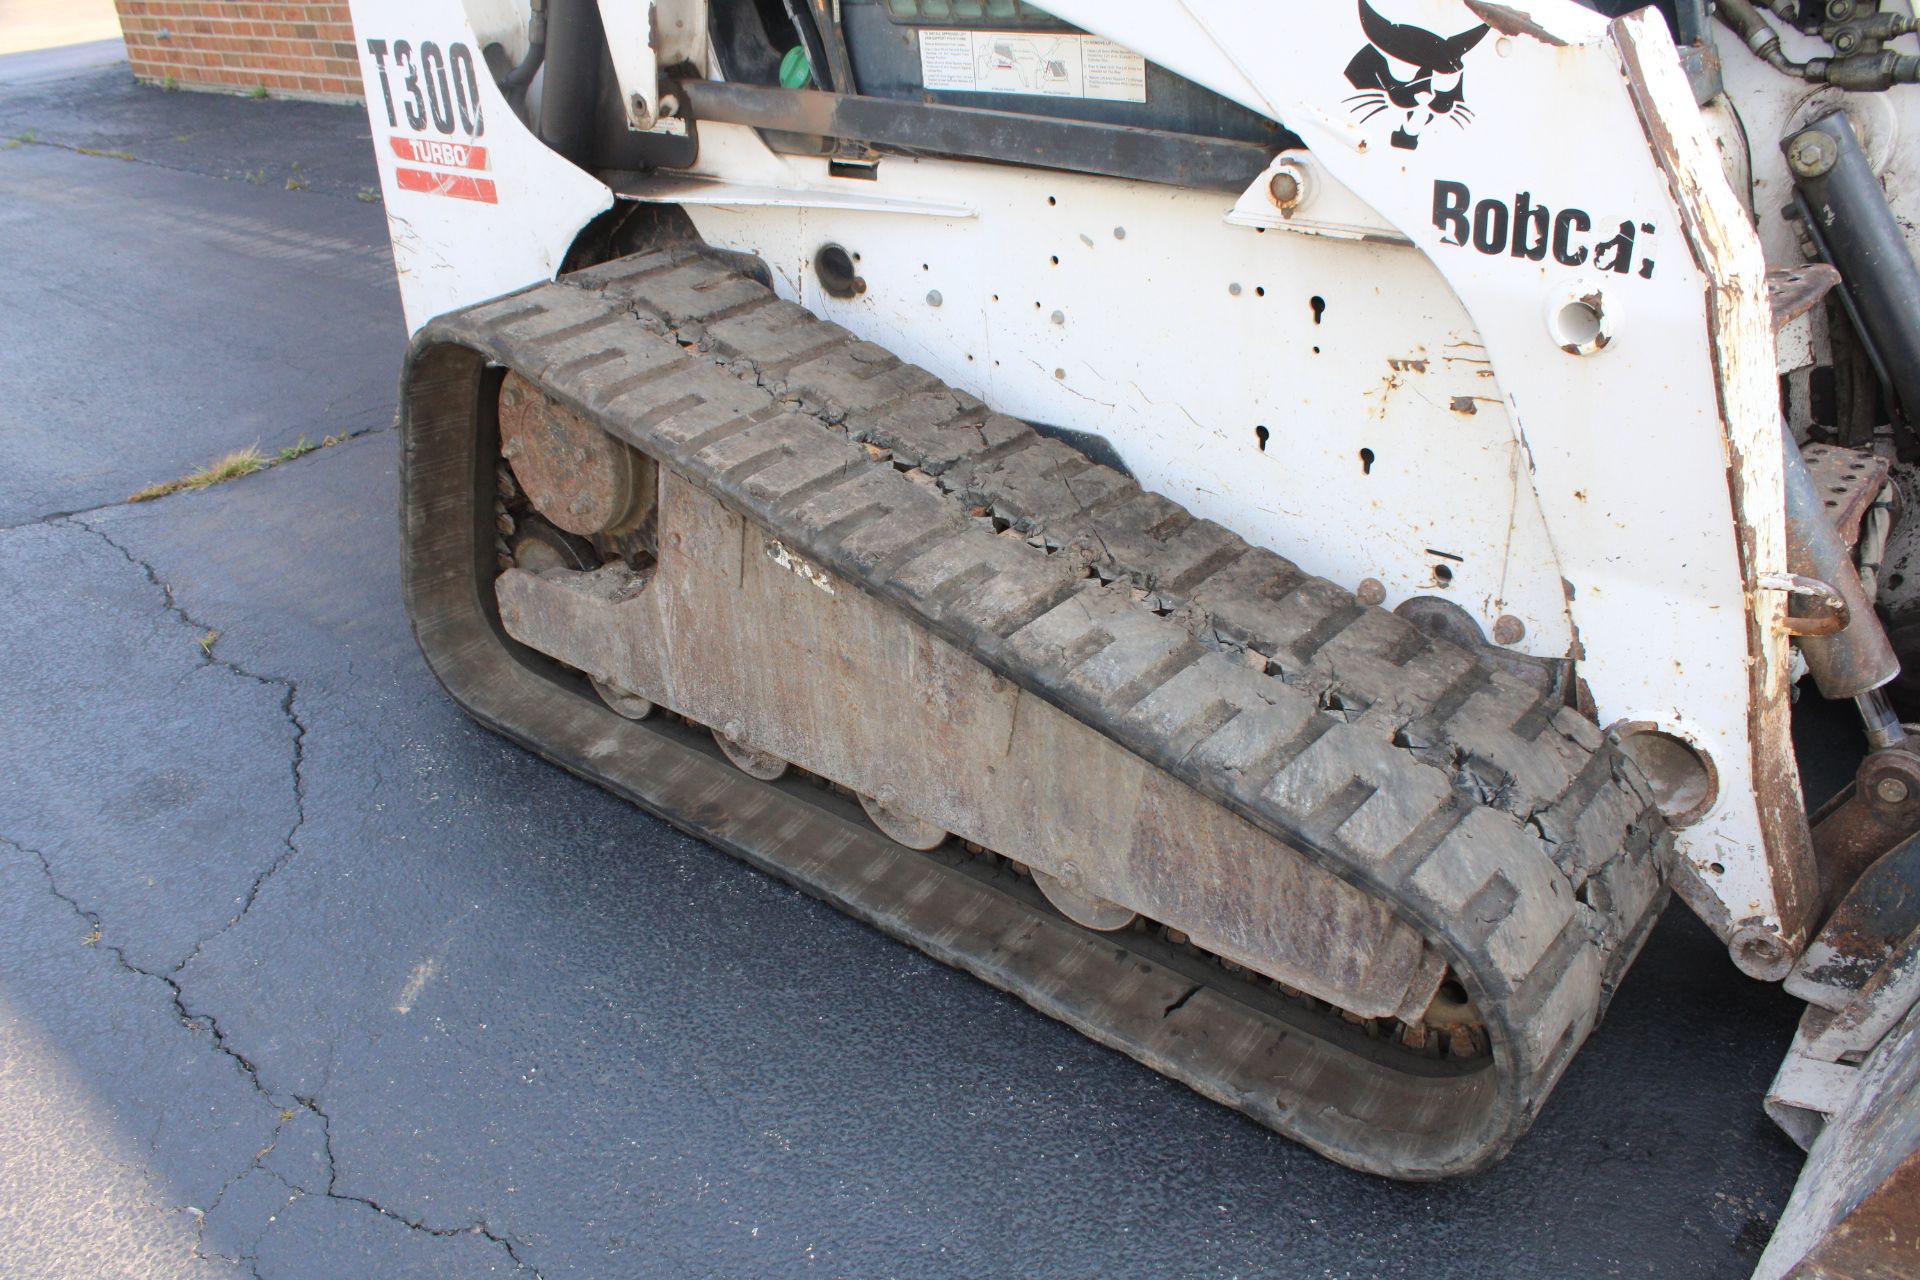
[(1503, 826)]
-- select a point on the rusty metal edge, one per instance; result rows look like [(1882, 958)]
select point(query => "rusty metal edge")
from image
[(1785, 834)]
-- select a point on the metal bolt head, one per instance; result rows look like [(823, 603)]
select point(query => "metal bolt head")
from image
[(1285, 188), (1371, 592), (1760, 953), (1891, 790), (1845, 41), (1508, 629), (1839, 10), (1812, 153)]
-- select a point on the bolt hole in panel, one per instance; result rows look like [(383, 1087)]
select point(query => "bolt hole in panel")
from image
[(1683, 778), (833, 267)]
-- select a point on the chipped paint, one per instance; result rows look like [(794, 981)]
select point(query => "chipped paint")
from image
[(778, 553), (1512, 22)]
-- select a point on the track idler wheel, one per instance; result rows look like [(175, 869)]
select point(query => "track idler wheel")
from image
[(1084, 909), (755, 764), (577, 476), (903, 828), (621, 702)]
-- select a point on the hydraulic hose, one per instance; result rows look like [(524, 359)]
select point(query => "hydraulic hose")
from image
[(514, 84), (571, 98)]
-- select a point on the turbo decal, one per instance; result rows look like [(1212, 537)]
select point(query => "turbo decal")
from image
[(452, 155)]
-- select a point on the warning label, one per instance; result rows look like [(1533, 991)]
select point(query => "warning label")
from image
[(1053, 66)]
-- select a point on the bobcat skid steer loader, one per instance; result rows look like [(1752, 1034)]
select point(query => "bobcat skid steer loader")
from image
[(1276, 533)]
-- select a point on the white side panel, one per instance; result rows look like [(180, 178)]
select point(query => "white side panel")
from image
[(1628, 446), (1138, 313), (476, 205)]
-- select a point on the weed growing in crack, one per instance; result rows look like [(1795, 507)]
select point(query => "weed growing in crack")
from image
[(299, 449), (241, 462)]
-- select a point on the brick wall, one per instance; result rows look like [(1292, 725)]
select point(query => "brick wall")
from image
[(291, 50)]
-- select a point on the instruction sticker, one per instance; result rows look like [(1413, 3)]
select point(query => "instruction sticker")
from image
[(1040, 64)]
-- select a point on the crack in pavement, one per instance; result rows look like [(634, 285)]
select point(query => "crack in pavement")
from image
[(204, 1022), (74, 516), (196, 1022), (289, 1106), (31, 138), (288, 706), (332, 1192)]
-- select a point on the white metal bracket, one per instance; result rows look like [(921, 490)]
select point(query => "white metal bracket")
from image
[(644, 36)]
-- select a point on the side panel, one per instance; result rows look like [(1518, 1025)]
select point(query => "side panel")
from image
[(1326, 398), (476, 205), (1617, 485), (1629, 331)]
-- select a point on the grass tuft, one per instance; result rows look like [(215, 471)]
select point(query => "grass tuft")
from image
[(258, 91), (207, 642), (367, 195), (241, 462), (171, 84), (298, 449)]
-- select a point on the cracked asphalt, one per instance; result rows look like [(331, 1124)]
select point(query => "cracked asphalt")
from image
[(304, 975)]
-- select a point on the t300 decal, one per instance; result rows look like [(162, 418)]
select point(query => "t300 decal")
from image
[(439, 92), (438, 89)]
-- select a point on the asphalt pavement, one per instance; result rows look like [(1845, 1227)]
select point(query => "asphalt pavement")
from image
[(302, 974)]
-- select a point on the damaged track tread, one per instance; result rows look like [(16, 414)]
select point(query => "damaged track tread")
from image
[(1499, 824)]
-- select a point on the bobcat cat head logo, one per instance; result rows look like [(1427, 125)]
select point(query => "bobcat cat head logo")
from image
[(1412, 71)]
